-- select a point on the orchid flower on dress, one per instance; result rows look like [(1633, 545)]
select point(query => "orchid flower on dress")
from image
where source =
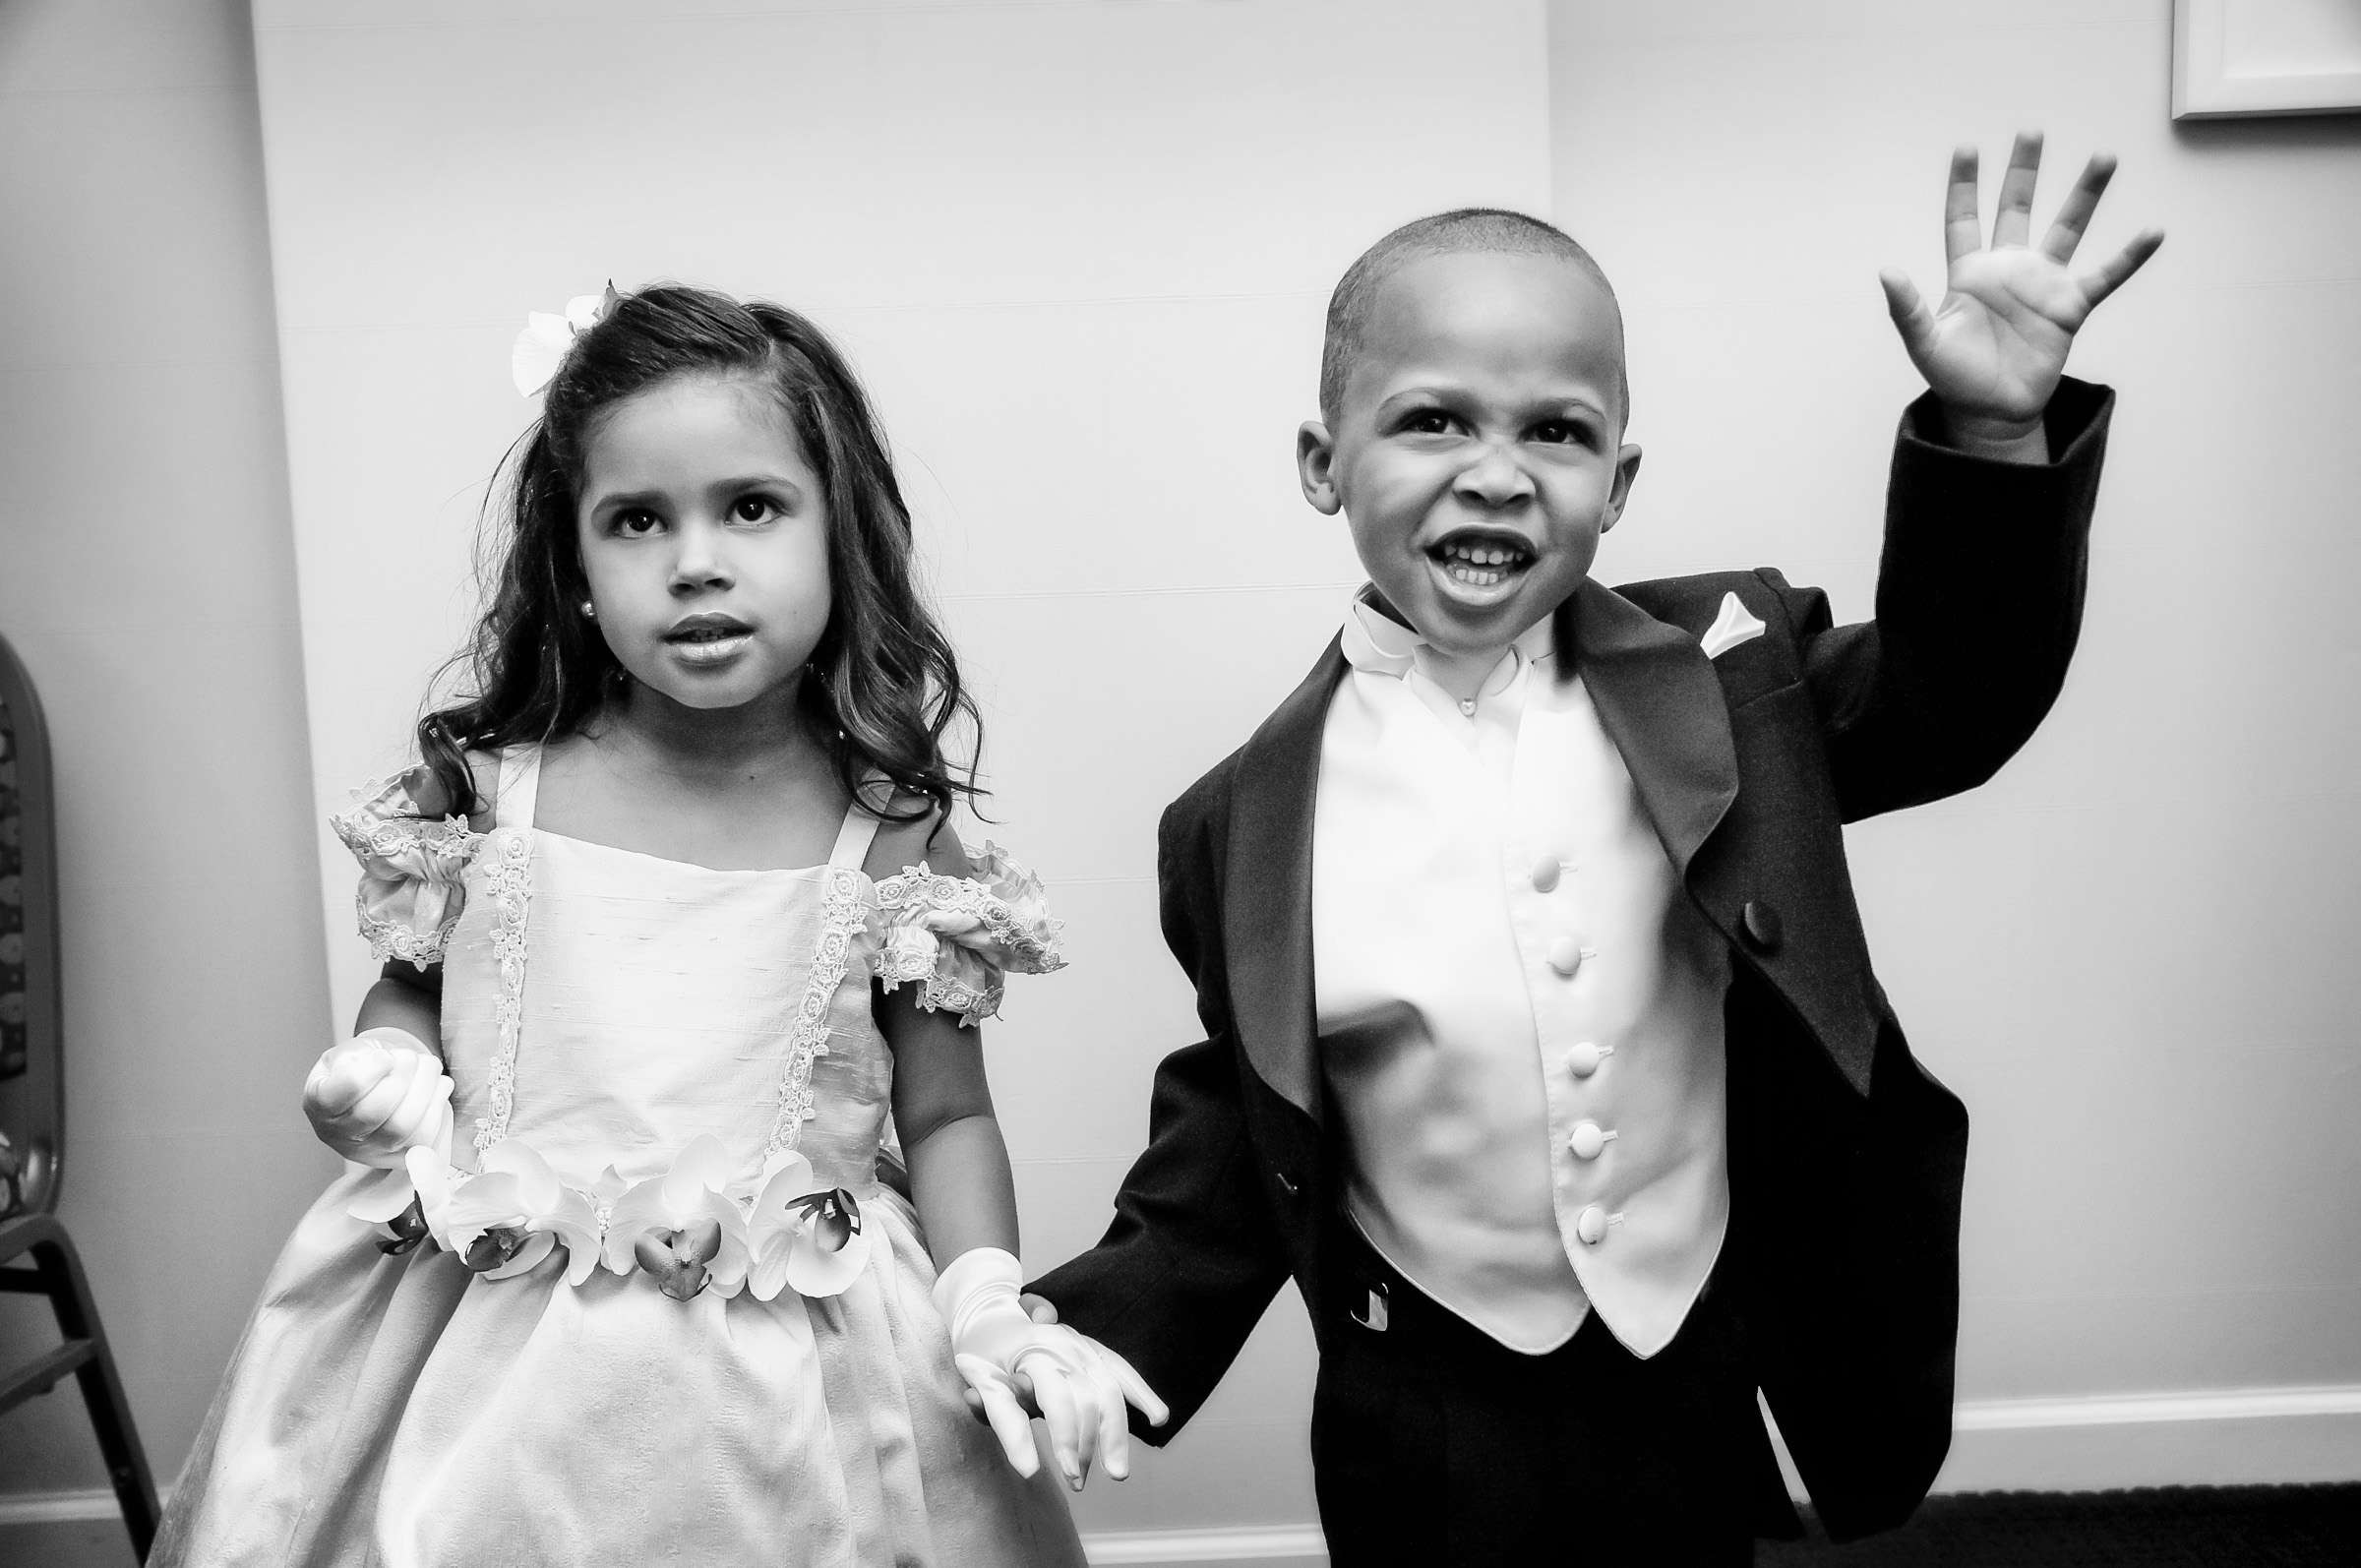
[(534, 1209), (504, 1219), (810, 1238), (682, 1226)]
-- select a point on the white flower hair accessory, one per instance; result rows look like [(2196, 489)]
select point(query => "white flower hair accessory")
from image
[(543, 344)]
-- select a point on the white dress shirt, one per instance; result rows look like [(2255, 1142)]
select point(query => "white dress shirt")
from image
[(1519, 1012)]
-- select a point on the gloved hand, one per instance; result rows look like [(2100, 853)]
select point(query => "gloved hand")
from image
[(1079, 1386), (375, 1096)]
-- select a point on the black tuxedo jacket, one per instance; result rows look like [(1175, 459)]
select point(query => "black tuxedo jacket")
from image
[(1845, 1157)]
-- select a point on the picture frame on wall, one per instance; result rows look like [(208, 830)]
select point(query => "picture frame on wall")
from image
[(2258, 57)]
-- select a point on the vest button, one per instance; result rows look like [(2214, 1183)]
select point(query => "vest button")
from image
[(1583, 1058), (1565, 956), (1588, 1141), (1545, 873), (1761, 924), (1591, 1226)]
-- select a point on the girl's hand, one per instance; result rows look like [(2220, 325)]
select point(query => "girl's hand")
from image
[(375, 1096), (1993, 351), (1015, 1366)]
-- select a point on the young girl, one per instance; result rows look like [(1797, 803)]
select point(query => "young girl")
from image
[(626, 1285)]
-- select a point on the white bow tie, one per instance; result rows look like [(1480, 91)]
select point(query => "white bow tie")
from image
[(1375, 642)]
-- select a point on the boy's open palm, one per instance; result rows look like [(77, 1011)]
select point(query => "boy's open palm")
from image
[(1993, 351)]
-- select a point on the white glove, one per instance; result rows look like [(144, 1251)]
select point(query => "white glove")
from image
[(377, 1094), (1080, 1386)]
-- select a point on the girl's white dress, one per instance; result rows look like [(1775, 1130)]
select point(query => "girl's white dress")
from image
[(610, 1010)]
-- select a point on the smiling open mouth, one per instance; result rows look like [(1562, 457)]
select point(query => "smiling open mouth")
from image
[(1478, 561)]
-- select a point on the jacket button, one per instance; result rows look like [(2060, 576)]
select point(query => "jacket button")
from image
[(1761, 924)]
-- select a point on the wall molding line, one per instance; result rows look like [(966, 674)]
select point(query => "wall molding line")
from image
[(2231, 1436)]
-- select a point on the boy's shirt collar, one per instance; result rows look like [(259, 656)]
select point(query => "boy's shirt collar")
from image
[(1376, 642)]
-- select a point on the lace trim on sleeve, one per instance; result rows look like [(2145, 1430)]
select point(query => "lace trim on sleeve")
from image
[(411, 865), (958, 936)]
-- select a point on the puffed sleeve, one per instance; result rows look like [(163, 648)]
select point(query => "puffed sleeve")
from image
[(410, 869), (958, 936)]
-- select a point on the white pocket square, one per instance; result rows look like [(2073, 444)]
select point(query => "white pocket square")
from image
[(1731, 628)]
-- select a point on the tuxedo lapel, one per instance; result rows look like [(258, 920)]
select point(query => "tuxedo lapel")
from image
[(1267, 900), (1661, 705)]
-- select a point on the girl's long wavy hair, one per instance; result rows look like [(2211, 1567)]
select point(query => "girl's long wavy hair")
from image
[(882, 685)]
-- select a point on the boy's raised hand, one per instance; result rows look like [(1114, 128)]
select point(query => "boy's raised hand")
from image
[(1993, 351)]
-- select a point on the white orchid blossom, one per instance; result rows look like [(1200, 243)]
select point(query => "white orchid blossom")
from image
[(535, 1207), (682, 1226), (802, 1234)]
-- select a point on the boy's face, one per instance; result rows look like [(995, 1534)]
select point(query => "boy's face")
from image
[(1478, 453)]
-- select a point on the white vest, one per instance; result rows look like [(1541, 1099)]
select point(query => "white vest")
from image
[(1519, 1012)]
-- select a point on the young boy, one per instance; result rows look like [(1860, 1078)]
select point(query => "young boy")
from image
[(1542, 1047)]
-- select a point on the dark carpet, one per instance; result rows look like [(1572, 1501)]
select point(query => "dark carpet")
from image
[(2172, 1527)]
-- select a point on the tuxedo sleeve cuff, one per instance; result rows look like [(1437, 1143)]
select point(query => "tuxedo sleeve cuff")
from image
[(2075, 421)]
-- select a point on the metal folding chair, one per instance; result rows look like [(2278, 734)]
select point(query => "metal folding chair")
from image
[(32, 1108)]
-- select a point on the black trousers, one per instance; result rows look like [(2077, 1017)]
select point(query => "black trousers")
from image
[(1435, 1444)]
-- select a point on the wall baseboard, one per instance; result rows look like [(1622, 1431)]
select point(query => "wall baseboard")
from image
[(1261, 1546), (1252, 1546), (56, 1508), (2225, 1437)]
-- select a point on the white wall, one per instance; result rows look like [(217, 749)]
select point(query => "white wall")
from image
[(2130, 954), (146, 580), (1079, 250)]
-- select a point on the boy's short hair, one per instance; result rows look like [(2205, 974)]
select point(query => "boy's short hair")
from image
[(1462, 230)]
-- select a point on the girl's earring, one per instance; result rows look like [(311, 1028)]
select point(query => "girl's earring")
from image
[(589, 611)]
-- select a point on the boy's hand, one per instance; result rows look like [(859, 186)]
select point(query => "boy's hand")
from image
[(1993, 351)]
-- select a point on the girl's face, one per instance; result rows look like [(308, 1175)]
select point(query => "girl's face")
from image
[(704, 532)]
